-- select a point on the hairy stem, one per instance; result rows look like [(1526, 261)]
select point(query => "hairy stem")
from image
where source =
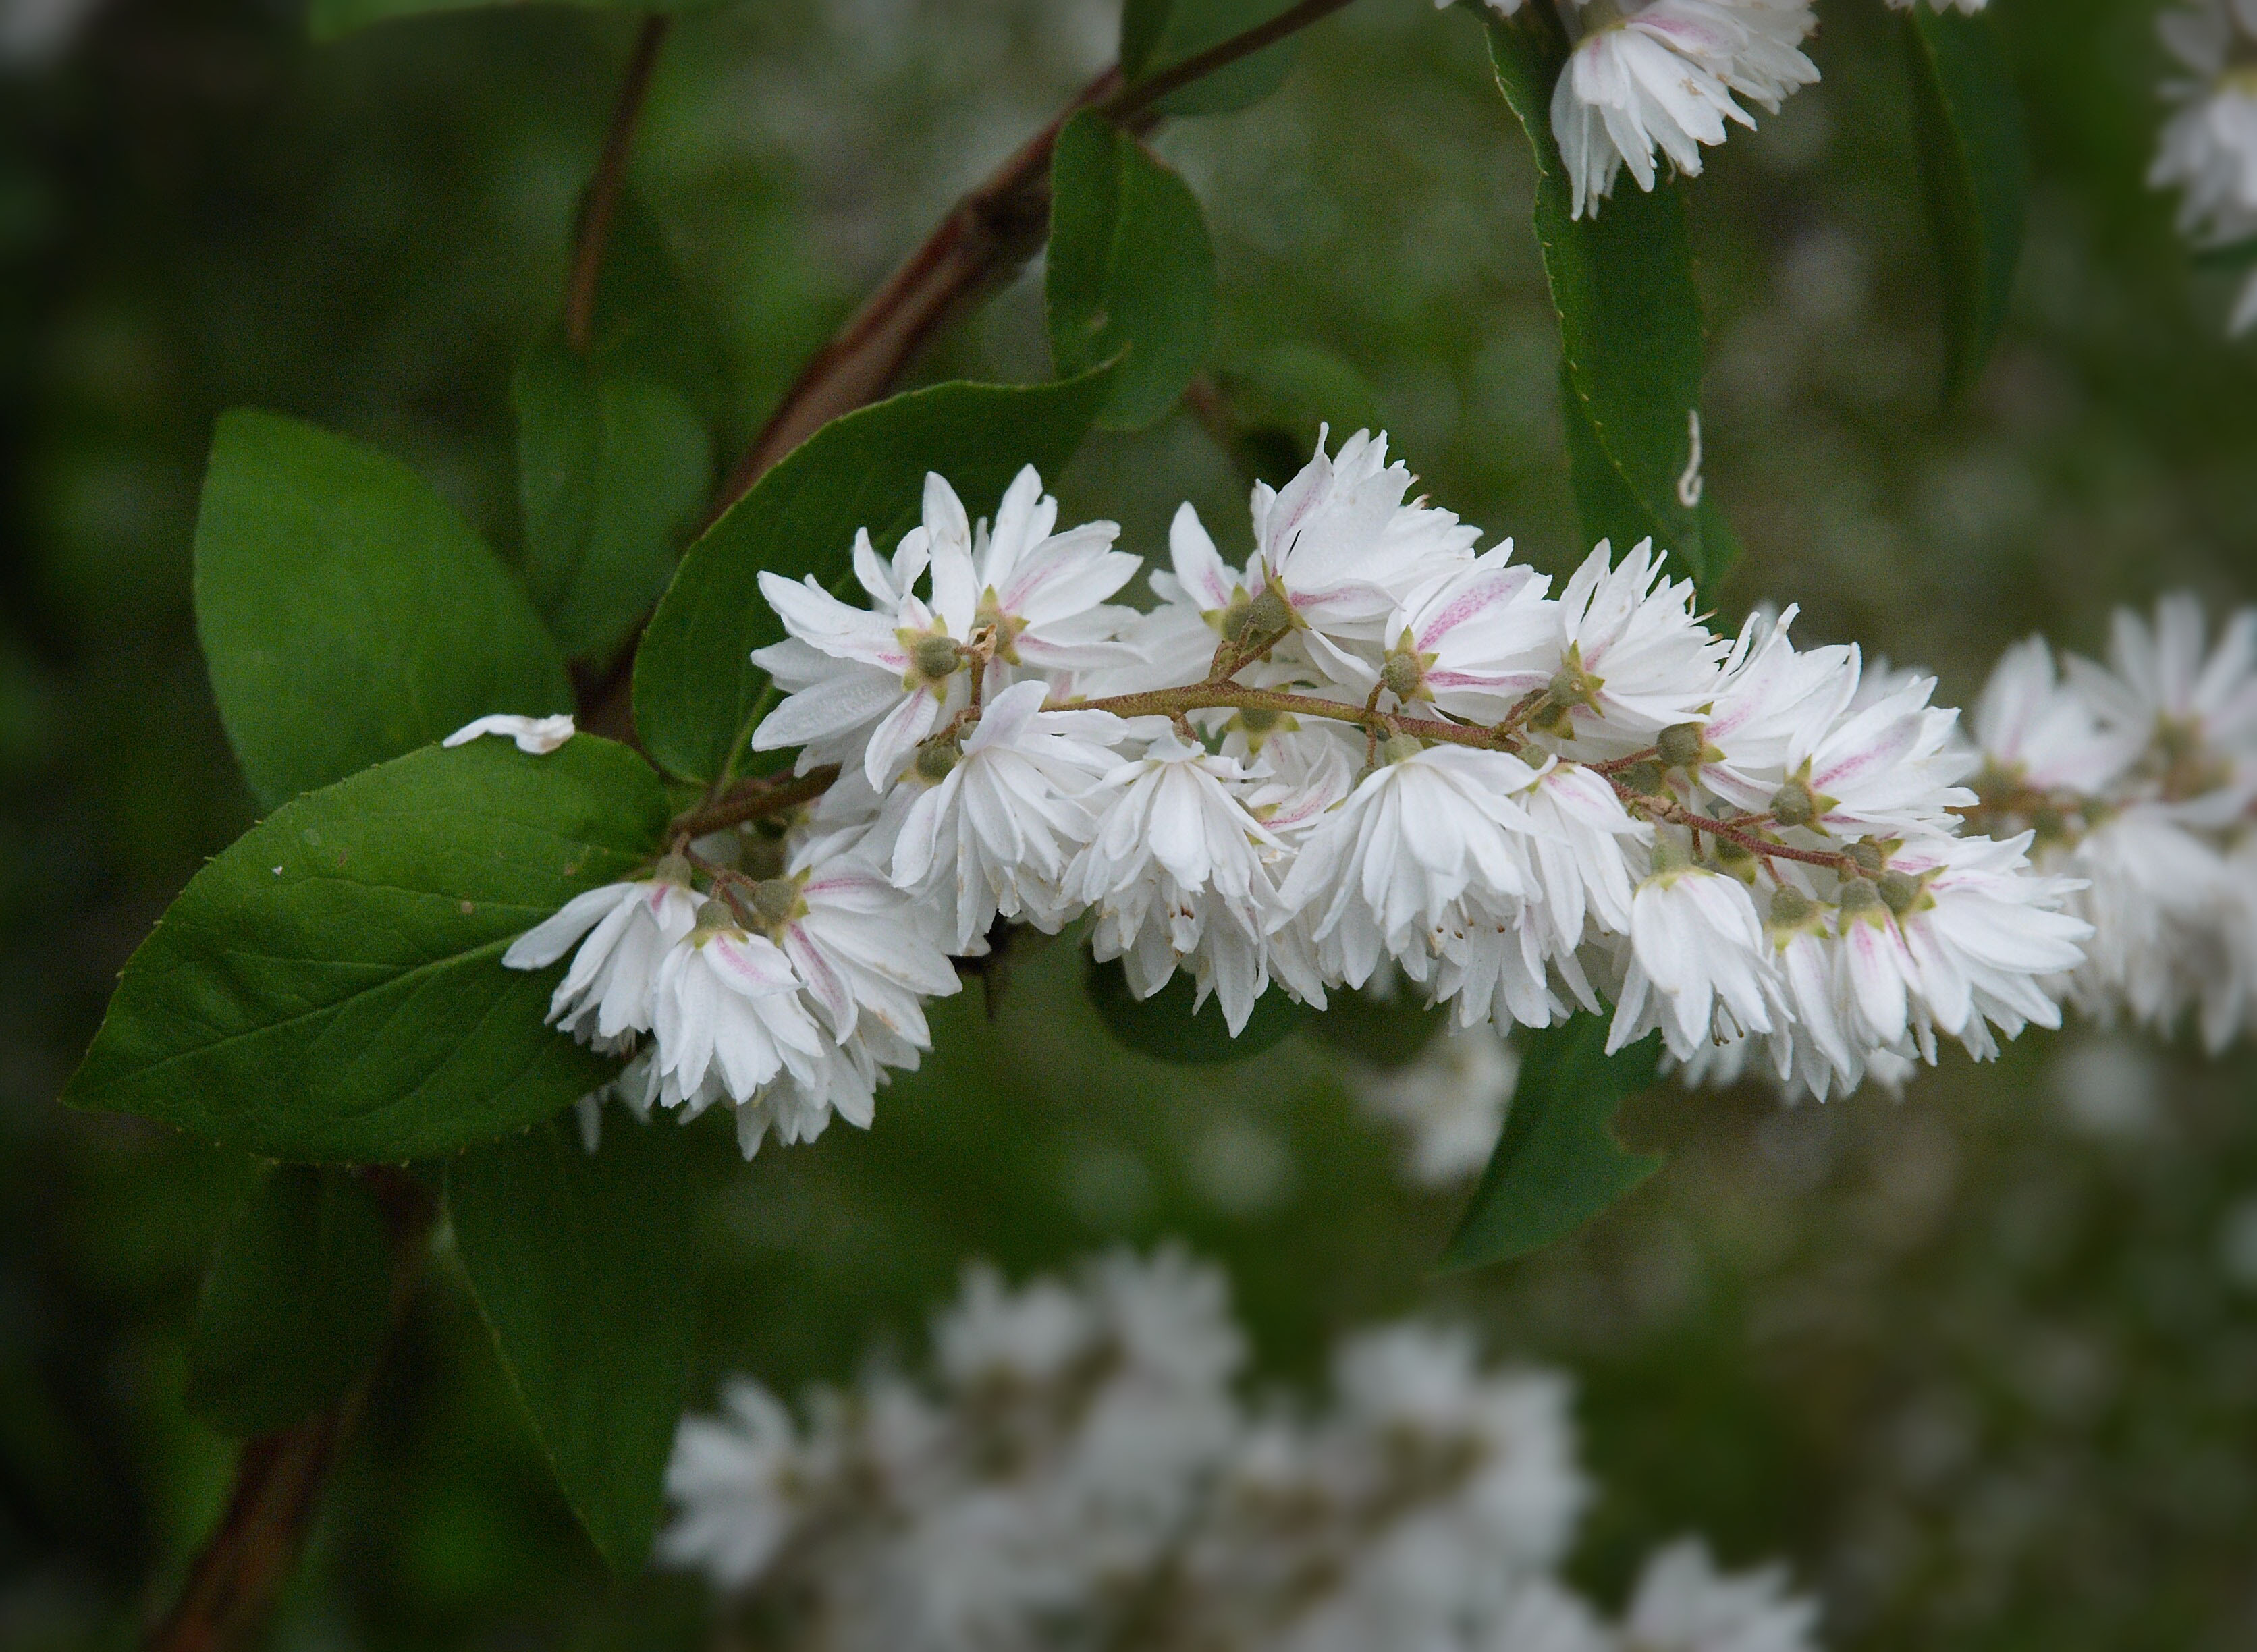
[(232, 1582), (1201, 696), (754, 799), (603, 200)]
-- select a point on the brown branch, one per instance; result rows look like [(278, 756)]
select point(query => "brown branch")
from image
[(1134, 101), (755, 798), (233, 1581), (603, 188)]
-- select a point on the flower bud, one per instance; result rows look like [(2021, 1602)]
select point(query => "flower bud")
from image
[(716, 915), (936, 758), (1900, 890), (1681, 744), (1259, 719), (1269, 615), (1669, 855), (672, 868), (1791, 908), (1793, 804), (935, 657), (1867, 854)]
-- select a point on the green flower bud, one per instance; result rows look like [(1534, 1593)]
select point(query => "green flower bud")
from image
[(673, 869), (936, 758), (1867, 854), (1793, 804), (1269, 615), (1257, 720), (774, 899), (1791, 908), (1681, 744), (1403, 675), (716, 915), (1730, 853), (1900, 890), (1669, 855)]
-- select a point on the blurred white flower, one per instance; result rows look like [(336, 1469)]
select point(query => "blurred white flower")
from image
[(1450, 1100), (2209, 150)]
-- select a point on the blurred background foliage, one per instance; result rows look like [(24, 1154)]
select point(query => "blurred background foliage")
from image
[(1982, 1364)]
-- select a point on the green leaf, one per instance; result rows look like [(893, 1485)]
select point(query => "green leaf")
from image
[(1558, 1164), (697, 692), (331, 987), (1158, 34), (582, 1263), (1278, 398), (347, 614), (1630, 323), (296, 1304), (327, 19), (1163, 1027), (614, 469), (1129, 270), (1974, 160)]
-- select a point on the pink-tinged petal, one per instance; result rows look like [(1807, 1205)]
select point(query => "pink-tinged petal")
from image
[(1199, 567), (895, 738), (552, 936), (815, 616), (750, 965)]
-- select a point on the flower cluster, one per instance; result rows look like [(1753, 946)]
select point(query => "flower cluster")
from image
[(2210, 144), (1370, 747), (1080, 1472), (2139, 780)]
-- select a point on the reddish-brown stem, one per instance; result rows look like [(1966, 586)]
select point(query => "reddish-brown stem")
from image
[(602, 199), (755, 798), (1166, 702), (232, 1582), (1133, 100)]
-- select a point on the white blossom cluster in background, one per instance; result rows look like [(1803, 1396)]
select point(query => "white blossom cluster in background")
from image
[(2139, 779), (2209, 149), (1080, 1471), (1448, 1102), (1372, 745)]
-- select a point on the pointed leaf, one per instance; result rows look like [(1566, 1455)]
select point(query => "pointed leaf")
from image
[(697, 692), (1131, 270), (1558, 1164), (1164, 1027), (347, 614), (331, 987), (1158, 34), (582, 1263), (1630, 323), (296, 1304), (1974, 160)]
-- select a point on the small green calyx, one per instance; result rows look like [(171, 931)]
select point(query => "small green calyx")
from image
[(1401, 748), (1571, 686), (1268, 615), (1901, 891), (1795, 804), (1404, 673), (775, 899), (1858, 898), (936, 757), (716, 915), (1868, 856), (1791, 910), (1260, 720), (1736, 858), (1647, 778), (672, 868), (935, 658), (1681, 745), (1670, 856)]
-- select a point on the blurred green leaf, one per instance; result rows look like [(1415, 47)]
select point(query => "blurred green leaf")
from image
[(1130, 271), (1630, 323), (613, 469), (1558, 1164), (331, 987), (1279, 398), (347, 614), (1164, 1027), (1975, 160), (697, 692), (1392, 1034), (1158, 34), (296, 1304), (585, 1271)]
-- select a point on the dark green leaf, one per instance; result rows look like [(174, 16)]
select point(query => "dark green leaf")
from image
[(697, 692), (296, 1305), (582, 1266), (347, 614), (1386, 1034), (1974, 160), (1558, 1164), (1158, 34), (613, 470), (1130, 271), (331, 986), (1163, 1027), (327, 19), (1279, 398), (1630, 323)]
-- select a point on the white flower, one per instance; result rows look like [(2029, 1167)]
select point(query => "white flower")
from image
[(1583, 838), (736, 1480), (2209, 145), (1698, 963), (606, 996), (1684, 1604), (2036, 731), (535, 737), (1892, 766), (1176, 875), (728, 1016), (1768, 692), (1635, 660), (993, 831), (1450, 1101), (2196, 706), (1043, 594), (1475, 640), (853, 942), (1391, 865), (1648, 74)]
